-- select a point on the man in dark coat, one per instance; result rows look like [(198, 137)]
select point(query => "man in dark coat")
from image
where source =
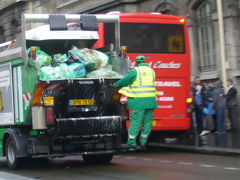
[(219, 104), (231, 104)]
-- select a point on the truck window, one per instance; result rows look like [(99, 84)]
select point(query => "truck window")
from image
[(149, 38)]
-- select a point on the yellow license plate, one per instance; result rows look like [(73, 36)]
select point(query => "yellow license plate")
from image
[(81, 102), (48, 100)]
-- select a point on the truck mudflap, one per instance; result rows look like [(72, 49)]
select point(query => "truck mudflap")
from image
[(89, 125)]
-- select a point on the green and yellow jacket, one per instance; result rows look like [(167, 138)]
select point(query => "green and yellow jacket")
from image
[(140, 102)]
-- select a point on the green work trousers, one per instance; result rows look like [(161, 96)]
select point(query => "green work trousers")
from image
[(140, 117)]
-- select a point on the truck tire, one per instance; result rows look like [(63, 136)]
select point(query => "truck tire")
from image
[(97, 158), (13, 161)]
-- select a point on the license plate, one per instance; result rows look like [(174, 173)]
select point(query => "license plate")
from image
[(81, 102), (48, 100)]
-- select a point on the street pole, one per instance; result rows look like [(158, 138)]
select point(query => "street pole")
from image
[(222, 43)]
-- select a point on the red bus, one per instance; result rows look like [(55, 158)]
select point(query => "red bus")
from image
[(164, 40)]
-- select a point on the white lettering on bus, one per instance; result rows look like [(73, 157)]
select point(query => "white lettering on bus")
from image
[(168, 83), (161, 65), (166, 99), (160, 93), (165, 106)]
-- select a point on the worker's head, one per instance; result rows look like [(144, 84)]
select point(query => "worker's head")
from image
[(140, 59)]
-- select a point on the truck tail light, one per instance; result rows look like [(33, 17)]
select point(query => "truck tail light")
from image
[(50, 115), (116, 97)]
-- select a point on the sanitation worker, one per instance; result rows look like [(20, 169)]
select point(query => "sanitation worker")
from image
[(139, 86)]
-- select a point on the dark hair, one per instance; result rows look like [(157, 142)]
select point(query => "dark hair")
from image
[(230, 80), (197, 77)]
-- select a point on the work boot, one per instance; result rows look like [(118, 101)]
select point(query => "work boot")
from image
[(129, 147), (143, 147)]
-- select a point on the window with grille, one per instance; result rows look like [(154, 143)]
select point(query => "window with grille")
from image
[(206, 38)]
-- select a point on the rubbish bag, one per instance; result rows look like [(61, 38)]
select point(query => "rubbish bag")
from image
[(63, 71), (90, 58), (43, 58), (45, 72), (50, 73), (104, 59), (103, 73), (59, 58), (77, 70)]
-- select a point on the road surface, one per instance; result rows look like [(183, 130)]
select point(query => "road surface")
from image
[(150, 165)]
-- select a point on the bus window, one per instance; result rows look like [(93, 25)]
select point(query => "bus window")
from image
[(149, 38)]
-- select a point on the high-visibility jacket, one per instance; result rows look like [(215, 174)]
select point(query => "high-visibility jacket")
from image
[(143, 86)]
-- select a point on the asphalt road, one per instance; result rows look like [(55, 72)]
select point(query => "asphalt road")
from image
[(153, 165)]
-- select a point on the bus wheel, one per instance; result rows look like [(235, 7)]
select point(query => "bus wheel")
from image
[(13, 161), (97, 158)]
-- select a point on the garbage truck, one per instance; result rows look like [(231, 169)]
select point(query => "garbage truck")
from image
[(56, 117)]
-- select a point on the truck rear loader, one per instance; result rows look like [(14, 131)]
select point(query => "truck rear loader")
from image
[(57, 117)]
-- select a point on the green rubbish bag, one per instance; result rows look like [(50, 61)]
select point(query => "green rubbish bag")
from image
[(43, 58), (77, 70), (51, 73), (103, 73), (90, 58), (59, 58), (63, 71)]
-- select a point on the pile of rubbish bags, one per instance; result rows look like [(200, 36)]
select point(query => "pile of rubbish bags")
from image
[(78, 63)]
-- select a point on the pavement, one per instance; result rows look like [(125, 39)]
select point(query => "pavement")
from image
[(223, 144)]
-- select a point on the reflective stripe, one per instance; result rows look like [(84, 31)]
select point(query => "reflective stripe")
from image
[(153, 75), (131, 137), (144, 135), (142, 86), (132, 92), (140, 76)]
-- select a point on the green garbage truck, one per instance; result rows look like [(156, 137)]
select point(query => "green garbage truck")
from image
[(56, 117)]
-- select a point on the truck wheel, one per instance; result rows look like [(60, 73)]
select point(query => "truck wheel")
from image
[(97, 158), (13, 162)]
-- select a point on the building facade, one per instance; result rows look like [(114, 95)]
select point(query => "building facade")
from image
[(201, 14)]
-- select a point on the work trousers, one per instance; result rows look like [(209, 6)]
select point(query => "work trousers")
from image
[(140, 117), (232, 116)]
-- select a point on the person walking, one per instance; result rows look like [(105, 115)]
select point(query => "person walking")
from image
[(219, 105), (231, 104), (139, 86)]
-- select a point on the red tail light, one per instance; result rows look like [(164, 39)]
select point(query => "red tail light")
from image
[(116, 97), (50, 115)]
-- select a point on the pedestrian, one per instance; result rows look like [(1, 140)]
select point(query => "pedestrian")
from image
[(195, 82), (200, 103), (210, 89), (139, 86), (231, 104), (219, 106)]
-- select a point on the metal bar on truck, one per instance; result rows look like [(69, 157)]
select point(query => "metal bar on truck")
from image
[(70, 18)]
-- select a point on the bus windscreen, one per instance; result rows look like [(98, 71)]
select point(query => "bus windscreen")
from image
[(150, 37)]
